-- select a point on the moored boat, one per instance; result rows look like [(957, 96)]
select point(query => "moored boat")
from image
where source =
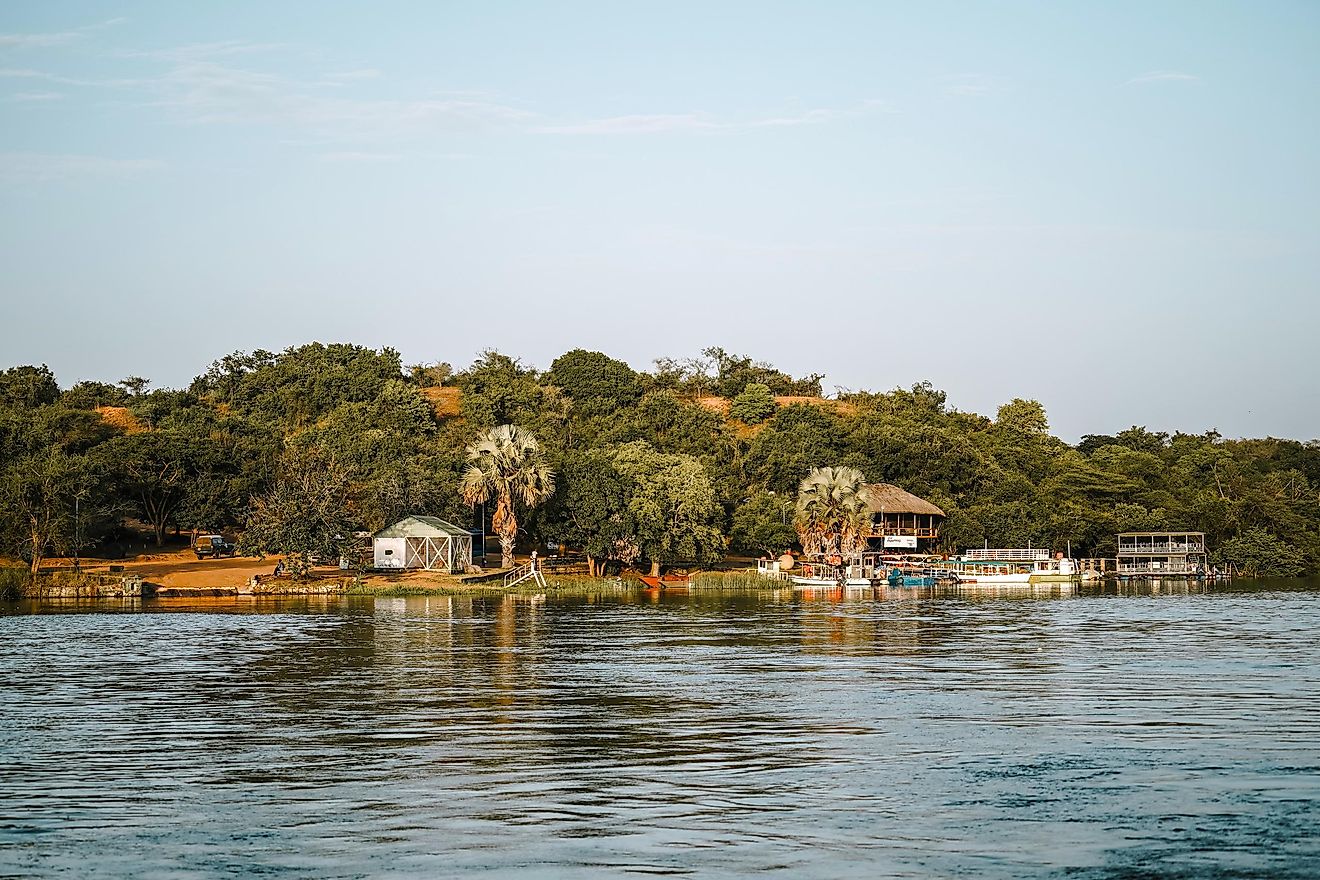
[(668, 581), (1055, 571)]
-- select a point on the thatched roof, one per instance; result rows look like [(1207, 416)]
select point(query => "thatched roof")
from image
[(891, 499)]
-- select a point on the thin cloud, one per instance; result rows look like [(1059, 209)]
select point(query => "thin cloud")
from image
[(19, 168), (971, 85), (359, 158), (1163, 76), (354, 75), (37, 41), (50, 40), (27, 97), (671, 123), (206, 92), (638, 123), (44, 76)]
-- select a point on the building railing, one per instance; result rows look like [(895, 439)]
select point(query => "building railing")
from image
[(1170, 567), (879, 531), (1155, 549), (1009, 554)]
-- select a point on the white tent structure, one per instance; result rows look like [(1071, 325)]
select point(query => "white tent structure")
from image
[(422, 542)]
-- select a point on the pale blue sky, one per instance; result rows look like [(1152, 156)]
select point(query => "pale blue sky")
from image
[(1113, 208)]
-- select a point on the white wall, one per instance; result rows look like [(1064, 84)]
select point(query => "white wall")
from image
[(388, 552)]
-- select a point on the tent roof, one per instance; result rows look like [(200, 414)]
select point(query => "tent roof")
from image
[(891, 499), (422, 527)]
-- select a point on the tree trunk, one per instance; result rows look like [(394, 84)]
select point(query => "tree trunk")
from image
[(506, 549), (655, 568), (506, 526), (37, 557)]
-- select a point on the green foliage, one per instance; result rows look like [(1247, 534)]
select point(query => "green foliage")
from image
[(735, 372), (1257, 553), (301, 384), (595, 382), (1023, 416), (754, 405), (90, 395), (303, 515), (672, 506), (763, 525), (506, 466), (590, 511), (28, 387), (498, 389), (622, 443)]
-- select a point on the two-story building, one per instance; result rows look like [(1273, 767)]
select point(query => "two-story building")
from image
[(1161, 554)]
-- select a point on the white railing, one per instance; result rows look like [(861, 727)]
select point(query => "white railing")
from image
[(1009, 554), (1159, 549), (526, 571)]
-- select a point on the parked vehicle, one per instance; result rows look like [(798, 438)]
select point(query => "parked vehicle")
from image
[(213, 545)]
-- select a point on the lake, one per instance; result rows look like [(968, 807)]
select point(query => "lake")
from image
[(1117, 732)]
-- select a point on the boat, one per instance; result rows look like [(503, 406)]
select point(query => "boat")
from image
[(1055, 571), (668, 581), (825, 573), (899, 578), (984, 572)]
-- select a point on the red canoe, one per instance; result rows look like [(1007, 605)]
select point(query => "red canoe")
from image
[(669, 580)]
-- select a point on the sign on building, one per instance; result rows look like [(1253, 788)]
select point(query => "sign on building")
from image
[(901, 542)]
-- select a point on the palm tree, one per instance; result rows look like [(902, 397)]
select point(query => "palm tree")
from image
[(506, 463), (832, 511)]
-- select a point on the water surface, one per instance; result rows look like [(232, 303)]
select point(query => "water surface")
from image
[(1116, 733)]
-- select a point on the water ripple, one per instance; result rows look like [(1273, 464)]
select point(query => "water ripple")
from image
[(1092, 735)]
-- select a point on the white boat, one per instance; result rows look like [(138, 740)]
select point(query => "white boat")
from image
[(1055, 571), (965, 572), (822, 575)]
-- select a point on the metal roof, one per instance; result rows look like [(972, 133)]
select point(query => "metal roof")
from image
[(422, 527)]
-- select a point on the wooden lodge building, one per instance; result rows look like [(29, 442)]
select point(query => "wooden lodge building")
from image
[(1161, 554), (901, 520)]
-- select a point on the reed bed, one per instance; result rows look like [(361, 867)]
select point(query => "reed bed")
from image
[(13, 578), (733, 580)]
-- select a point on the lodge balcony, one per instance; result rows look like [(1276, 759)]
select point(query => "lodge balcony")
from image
[(1160, 548), (880, 531)]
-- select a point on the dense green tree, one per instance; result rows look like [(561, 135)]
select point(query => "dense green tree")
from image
[(762, 524), (754, 405), (795, 440), (28, 387), (304, 515), (1257, 553), (595, 382), (498, 389), (590, 511), (672, 505), (40, 494)]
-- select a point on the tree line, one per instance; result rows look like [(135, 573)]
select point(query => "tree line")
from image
[(686, 462)]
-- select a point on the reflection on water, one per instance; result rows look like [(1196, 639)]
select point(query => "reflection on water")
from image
[(1162, 730)]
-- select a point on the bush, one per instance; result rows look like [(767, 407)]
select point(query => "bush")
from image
[(754, 405)]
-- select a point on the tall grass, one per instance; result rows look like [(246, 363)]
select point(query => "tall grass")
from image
[(733, 580), (12, 580)]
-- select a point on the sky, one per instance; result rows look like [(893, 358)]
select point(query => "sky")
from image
[(1111, 208)]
